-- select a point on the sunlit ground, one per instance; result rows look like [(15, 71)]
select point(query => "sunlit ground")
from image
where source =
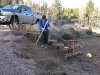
[(4, 28), (97, 30)]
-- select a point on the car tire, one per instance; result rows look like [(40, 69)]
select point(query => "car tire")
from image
[(14, 24)]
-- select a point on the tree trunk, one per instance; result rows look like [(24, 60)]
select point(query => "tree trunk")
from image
[(17, 1), (88, 20)]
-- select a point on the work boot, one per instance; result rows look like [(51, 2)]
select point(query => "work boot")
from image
[(65, 47), (42, 46), (45, 46)]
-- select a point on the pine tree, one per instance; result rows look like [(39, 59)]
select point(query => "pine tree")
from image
[(0, 2), (89, 9), (44, 8), (57, 8)]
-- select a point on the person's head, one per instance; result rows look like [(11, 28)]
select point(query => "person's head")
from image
[(44, 17)]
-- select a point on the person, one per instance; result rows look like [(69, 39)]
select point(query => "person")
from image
[(44, 27)]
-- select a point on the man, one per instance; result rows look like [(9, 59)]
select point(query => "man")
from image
[(43, 27)]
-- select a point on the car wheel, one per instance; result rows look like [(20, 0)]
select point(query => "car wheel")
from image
[(14, 24)]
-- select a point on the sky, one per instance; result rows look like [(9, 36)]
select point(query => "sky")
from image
[(71, 3)]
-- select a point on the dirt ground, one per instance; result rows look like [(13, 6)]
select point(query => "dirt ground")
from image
[(52, 62), (20, 56)]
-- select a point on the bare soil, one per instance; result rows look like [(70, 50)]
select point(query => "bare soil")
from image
[(52, 62), (20, 56)]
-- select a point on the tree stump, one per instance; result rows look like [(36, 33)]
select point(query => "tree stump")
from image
[(71, 46)]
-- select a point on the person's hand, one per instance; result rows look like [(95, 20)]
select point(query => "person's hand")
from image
[(42, 29)]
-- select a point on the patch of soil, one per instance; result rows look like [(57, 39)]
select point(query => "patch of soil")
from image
[(24, 53)]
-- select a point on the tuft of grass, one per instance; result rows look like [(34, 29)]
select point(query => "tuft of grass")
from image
[(50, 64)]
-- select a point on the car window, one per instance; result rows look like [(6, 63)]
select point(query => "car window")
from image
[(11, 6), (23, 10), (15, 6), (29, 10), (8, 7)]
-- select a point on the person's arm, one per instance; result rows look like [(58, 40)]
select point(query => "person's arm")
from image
[(40, 25), (36, 21)]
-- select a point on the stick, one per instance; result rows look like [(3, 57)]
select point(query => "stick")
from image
[(41, 33)]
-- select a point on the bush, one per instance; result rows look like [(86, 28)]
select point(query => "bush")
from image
[(77, 34), (67, 36), (89, 31), (69, 20)]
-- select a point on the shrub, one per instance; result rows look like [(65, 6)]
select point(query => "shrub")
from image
[(89, 31), (67, 36), (77, 34)]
